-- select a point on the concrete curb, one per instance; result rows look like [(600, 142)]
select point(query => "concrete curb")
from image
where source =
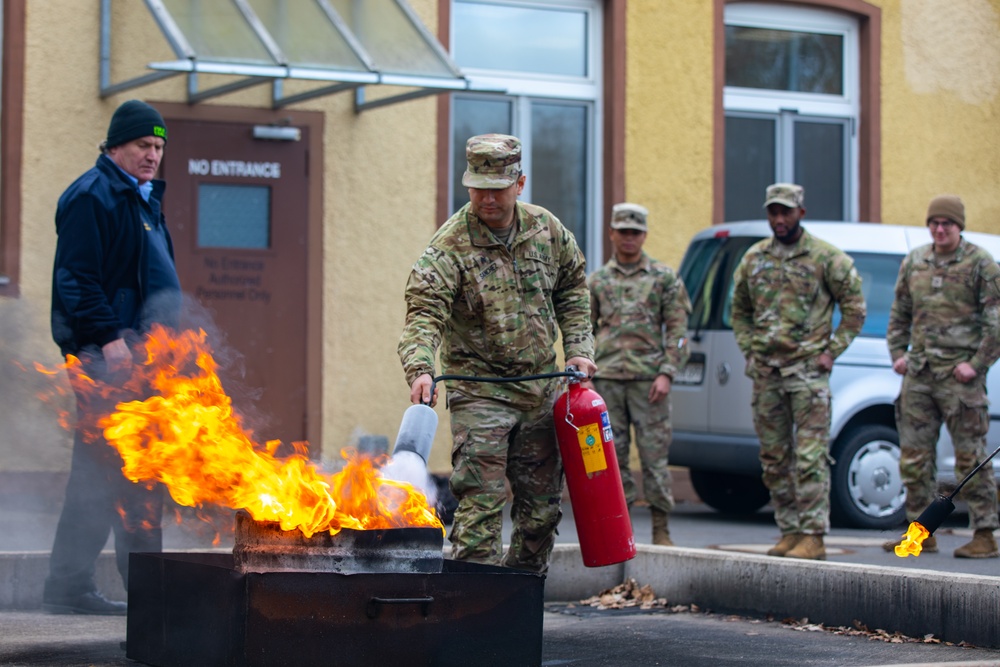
[(23, 573), (952, 607)]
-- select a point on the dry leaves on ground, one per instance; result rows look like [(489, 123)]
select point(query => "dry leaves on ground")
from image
[(859, 629), (630, 594)]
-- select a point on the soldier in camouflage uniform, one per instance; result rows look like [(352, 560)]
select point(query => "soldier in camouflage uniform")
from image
[(498, 282), (785, 292), (640, 310), (944, 334)]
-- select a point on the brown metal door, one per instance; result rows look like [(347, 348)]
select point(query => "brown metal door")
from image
[(237, 209)]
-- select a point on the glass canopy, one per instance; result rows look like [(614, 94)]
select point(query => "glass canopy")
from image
[(348, 43)]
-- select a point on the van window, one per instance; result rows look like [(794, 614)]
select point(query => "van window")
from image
[(707, 271), (878, 284)]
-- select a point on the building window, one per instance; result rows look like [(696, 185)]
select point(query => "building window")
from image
[(552, 101), (792, 108)]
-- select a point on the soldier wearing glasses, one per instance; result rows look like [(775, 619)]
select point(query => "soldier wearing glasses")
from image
[(944, 334)]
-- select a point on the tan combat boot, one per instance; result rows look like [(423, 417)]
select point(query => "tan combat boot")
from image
[(983, 545), (929, 545), (785, 544), (810, 547), (661, 533)]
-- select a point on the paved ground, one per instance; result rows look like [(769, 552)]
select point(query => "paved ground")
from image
[(573, 635), (585, 639)]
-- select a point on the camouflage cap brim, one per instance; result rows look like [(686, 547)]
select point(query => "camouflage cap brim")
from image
[(629, 224), (784, 201), (488, 181)]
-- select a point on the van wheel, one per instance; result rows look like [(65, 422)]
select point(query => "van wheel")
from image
[(729, 493), (866, 488)]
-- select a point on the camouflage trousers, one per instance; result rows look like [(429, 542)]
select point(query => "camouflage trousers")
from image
[(924, 402), (493, 442), (628, 405), (791, 413)]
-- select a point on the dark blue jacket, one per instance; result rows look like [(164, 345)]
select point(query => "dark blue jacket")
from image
[(100, 281)]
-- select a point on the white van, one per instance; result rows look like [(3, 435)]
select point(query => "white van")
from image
[(713, 426)]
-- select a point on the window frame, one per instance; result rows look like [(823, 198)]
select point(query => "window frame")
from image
[(791, 107), (524, 88), (11, 141), (869, 127)]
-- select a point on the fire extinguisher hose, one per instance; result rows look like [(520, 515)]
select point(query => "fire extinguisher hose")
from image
[(570, 372)]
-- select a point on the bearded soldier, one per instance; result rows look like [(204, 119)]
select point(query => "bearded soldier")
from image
[(786, 289)]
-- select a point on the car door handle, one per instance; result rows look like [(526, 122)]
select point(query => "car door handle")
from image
[(723, 373)]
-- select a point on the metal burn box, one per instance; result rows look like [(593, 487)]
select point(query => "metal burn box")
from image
[(200, 609)]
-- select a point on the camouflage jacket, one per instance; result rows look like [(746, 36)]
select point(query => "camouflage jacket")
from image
[(640, 319), (946, 312), (784, 297), (497, 310)]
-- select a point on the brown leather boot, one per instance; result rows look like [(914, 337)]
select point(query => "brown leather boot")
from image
[(928, 547), (785, 544), (661, 533), (810, 547), (983, 545)]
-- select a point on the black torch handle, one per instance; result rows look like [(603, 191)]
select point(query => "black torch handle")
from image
[(974, 471)]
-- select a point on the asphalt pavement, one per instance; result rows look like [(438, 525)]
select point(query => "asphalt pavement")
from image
[(576, 634)]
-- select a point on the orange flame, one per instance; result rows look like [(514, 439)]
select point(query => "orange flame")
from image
[(187, 436), (913, 541)]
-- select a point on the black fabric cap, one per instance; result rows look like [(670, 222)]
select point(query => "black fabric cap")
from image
[(135, 119)]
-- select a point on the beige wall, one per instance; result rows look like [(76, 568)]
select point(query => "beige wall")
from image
[(941, 108), (668, 120)]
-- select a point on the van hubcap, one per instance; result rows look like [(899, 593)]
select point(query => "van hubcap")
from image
[(874, 481)]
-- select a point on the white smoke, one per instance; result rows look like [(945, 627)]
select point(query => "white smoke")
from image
[(407, 466)]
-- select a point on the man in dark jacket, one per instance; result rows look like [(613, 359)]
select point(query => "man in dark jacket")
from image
[(113, 277)]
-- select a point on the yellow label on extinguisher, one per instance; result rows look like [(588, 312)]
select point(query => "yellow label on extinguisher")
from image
[(592, 448)]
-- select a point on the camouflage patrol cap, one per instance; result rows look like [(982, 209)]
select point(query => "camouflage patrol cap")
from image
[(494, 161), (629, 216), (786, 194)]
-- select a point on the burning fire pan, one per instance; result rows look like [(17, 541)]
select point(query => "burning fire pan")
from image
[(201, 609), (264, 547)]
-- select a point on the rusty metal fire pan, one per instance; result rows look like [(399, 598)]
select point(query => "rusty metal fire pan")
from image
[(201, 609), (264, 547)]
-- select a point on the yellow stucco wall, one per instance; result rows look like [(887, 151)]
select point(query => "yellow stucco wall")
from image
[(668, 116), (941, 109)]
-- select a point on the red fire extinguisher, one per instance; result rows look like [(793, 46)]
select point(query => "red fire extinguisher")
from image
[(586, 442)]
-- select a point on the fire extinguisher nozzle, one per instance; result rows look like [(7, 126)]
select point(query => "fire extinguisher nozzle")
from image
[(416, 432)]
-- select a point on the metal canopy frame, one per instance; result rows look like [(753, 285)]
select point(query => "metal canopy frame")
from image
[(369, 72)]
